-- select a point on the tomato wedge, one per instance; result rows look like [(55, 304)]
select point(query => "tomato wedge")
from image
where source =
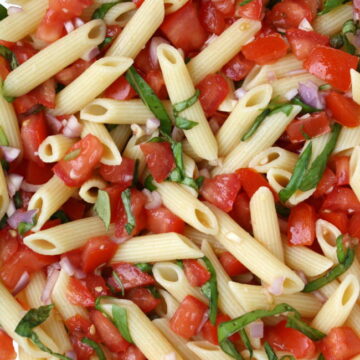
[(196, 274), (162, 220)]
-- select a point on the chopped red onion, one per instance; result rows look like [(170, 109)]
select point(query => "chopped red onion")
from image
[(356, 4), (21, 216), (73, 128), (69, 26), (22, 283), (320, 296), (153, 199), (276, 288), (91, 54), (291, 93), (155, 42), (203, 321), (11, 208), (54, 124), (214, 125), (119, 240), (177, 134), (151, 125), (29, 187), (305, 25), (67, 266), (71, 355), (309, 94), (78, 22), (240, 93), (79, 274), (13, 183), (14, 9), (53, 275), (10, 153), (257, 330)]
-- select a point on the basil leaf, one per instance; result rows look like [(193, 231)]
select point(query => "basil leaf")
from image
[(298, 174), (3, 221), (145, 267), (185, 124), (106, 42), (282, 210), (211, 290), (178, 156), (3, 138), (93, 344), (349, 27), (175, 176), (270, 351), (183, 105), (288, 357), (148, 183), (340, 252), (102, 207), (118, 282), (286, 109), (229, 348), (304, 328), (329, 5), (9, 56), (72, 155), (337, 41), (305, 107), (148, 96), (18, 200), (154, 292), (245, 2), (257, 122), (3, 12), (199, 181), (325, 87), (61, 215), (317, 168), (35, 339), (24, 227), (348, 46), (5, 165), (188, 181), (321, 357), (119, 315), (180, 264), (245, 339), (100, 12), (131, 221)]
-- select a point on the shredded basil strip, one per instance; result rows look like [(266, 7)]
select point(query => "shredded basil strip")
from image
[(313, 175), (321, 357), (245, 339), (3, 138), (154, 292), (145, 267), (61, 215), (257, 122), (102, 207), (24, 227), (307, 330), (210, 290), (120, 320), (282, 210), (245, 2), (305, 107), (180, 264), (131, 221), (9, 56), (100, 12), (3, 221), (349, 27), (229, 348), (18, 200), (185, 124), (93, 344), (340, 252), (149, 183), (3, 12), (329, 5), (72, 155), (148, 96), (178, 156), (270, 352), (118, 282), (32, 319), (298, 174), (183, 105)]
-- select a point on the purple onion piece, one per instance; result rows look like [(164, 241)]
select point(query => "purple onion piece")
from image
[(309, 94), (21, 216)]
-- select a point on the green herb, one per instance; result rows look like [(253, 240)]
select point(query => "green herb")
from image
[(180, 264), (317, 168), (349, 27), (270, 352), (298, 174), (5, 165), (305, 134), (329, 5), (183, 105), (148, 96), (185, 124), (199, 181), (102, 207), (277, 108), (325, 87), (245, 339), (297, 324), (93, 344), (321, 357), (9, 56), (61, 215), (340, 252), (178, 156), (145, 267), (100, 12), (106, 42), (118, 282), (348, 46), (24, 227), (229, 348), (305, 107), (3, 12), (154, 292), (18, 200), (3, 221), (110, 127), (3, 138), (120, 320), (210, 290), (257, 122), (337, 41), (245, 2), (282, 210), (149, 184), (135, 174), (288, 357), (131, 221), (176, 176), (72, 155), (32, 319)]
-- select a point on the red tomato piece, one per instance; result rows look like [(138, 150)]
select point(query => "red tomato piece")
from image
[(156, 81), (337, 218), (196, 274), (231, 264), (221, 190), (290, 340), (341, 343), (188, 317), (9, 244), (241, 211), (120, 89), (227, 7), (143, 298), (69, 74), (251, 181), (114, 192), (8, 44), (69, 8), (301, 225), (112, 32), (315, 125), (75, 172), (122, 174), (45, 93), (131, 277), (183, 28), (209, 331), (211, 19), (331, 65), (213, 90), (74, 209), (98, 250), (96, 285), (4, 68), (78, 294), (238, 67), (344, 110), (37, 175), (342, 169), (51, 27), (354, 228), (24, 51), (133, 353), (302, 42), (7, 351), (159, 159), (108, 332), (342, 199), (266, 50), (326, 183), (253, 10), (162, 220)]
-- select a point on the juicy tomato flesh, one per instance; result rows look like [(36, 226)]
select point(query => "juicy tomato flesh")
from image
[(211, 19), (241, 211), (326, 184), (162, 220), (69, 74), (354, 228), (342, 169), (122, 174), (196, 274), (342, 199), (231, 264), (238, 67), (78, 294), (253, 10), (7, 351), (143, 298), (120, 89), (209, 331)]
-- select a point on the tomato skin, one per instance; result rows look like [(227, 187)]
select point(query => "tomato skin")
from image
[(301, 225), (7, 351), (196, 274), (221, 190), (69, 8), (354, 228), (133, 353), (69, 74), (51, 27), (4, 68), (315, 125), (162, 220), (24, 51), (341, 199), (183, 28), (119, 174), (337, 218), (241, 211), (9, 244), (213, 90), (211, 19), (326, 184), (96, 285), (159, 159), (143, 299), (253, 10), (231, 264), (37, 175), (251, 181), (209, 331), (238, 67), (188, 317), (74, 209), (226, 7), (78, 294), (120, 89), (342, 169), (345, 111), (76, 171), (98, 250), (290, 340), (108, 332), (266, 50), (156, 81)]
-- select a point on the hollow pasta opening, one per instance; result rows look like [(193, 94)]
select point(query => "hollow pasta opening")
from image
[(203, 218), (48, 150), (95, 32), (272, 156), (257, 98), (96, 110), (43, 244), (290, 284), (348, 294), (281, 179), (169, 274), (170, 56)]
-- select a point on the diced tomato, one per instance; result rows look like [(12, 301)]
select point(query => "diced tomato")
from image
[(74, 256), (51, 27), (289, 13), (96, 285), (238, 67), (120, 89), (301, 225), (45, 93), (7, 351), (337, 218), (331, 65), (315, 125), (252, 10), (114, 192), (143, 62), (78, 294), (344, 110), (8, 44), (143, 298), (302, 42), (326, 183), (209, 331), (119, 174), (354, 228), (196, 274), (231, 264), (98, 250), (4, 68), (76, 171), (156, 81), (290, 340), (130, 276), (342, 199), (213, 90), (9, 244), (342, 169), (266, 50), (159, 159), (69, 74), (25, 104), (241, 211), (108, 332), (183, 28), (74, 209), (221, 190), (251, 181), (23, 51), (51, 223), (37, 175), (227, 7), (133, 353), (69, 8), (211, 19), (112, 32), (162, 220)]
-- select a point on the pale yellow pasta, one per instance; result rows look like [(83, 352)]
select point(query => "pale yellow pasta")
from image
[(120, 14), (197, 237), (138, 30), (191, 171), (318, 145), (180, 88), (133, 151), (355, 171), (188, 150), (213, 57), (253, 255), (121, 135), (257, 355), (265, 222), (242, 117), (332, 22), (355, 85), (207, 351), (47, 62), (54, 147), (89, 189), (65, 237), (338, 306), (111, 154), (168, 305), (157, 247), (268, 132), (173, 5), (9, 123), (193, 211), (230, 101), (23, 355), (4, 196), (348, 139), (17, 26)]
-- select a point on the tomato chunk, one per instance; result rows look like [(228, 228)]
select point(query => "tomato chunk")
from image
[(241, 211), (211, 19), (7, 351), (122, 174), (253, 10), (196, 274), (69, 74), (354, 228), (337, 218), (144, 299), (342, 199), (78, 294), (120, 89), (133, 353), (96, 285), (238, 67), (342, 169), (162, 220), (326, 184), (231, 264)]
